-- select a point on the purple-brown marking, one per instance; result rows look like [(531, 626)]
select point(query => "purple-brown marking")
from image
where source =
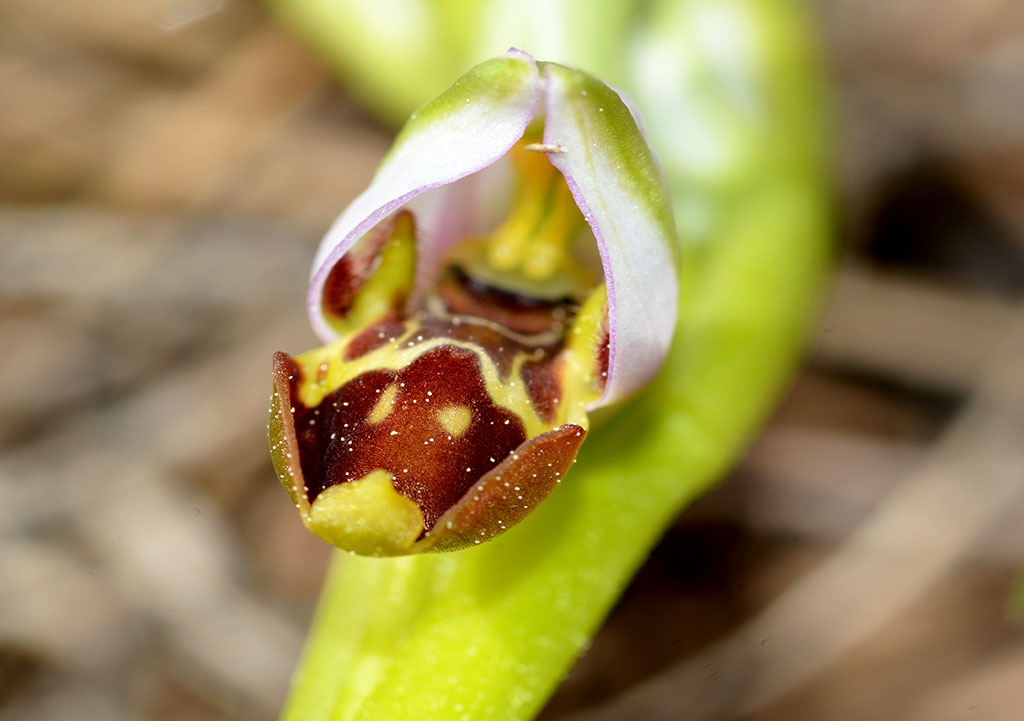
[(602, 360), (500, 348), (353, 269), (542, 386), (464, 295)]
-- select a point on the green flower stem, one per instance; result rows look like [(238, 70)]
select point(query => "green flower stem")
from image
[(488, 632)]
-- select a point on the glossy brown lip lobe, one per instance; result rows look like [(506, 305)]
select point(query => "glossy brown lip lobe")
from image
[(511, 491)]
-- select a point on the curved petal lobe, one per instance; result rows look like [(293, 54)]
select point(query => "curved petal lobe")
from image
[(466, 129), (617, 185)]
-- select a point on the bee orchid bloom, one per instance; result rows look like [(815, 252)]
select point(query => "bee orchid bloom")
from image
[(511, 268)]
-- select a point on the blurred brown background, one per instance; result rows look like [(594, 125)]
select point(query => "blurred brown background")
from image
[(166, 171)]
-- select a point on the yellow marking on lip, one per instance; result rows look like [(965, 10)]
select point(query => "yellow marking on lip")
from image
[(384, 405), (454, 419), (367, 516)]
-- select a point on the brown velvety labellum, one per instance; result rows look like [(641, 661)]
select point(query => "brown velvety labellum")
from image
[(431, 425)]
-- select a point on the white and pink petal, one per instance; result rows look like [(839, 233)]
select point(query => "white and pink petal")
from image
[(469, 127)]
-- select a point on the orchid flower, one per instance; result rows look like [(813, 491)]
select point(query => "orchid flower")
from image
[(730, 93), (512, 267)]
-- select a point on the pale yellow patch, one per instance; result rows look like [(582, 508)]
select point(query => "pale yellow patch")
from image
[(367, 516), (385, 404), (454, 419)]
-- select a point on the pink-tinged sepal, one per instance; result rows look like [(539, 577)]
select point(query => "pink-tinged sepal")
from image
[(619, 187)]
